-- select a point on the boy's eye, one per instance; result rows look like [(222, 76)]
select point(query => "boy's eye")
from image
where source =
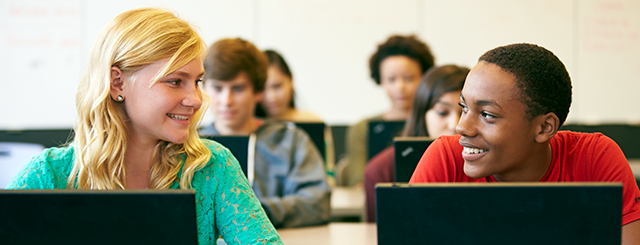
[(463, 106), (238, 88), (487, 115)]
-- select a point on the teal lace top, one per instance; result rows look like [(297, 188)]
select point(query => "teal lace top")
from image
[(225, 202)]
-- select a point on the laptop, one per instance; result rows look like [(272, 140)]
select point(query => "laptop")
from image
[(238, 145), (408, 151), (315, 130), (499, 213), (98, 217), (381, 135), (45, 137)]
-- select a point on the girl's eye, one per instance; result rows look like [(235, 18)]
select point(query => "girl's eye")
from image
[(175, 82), (199, 81)]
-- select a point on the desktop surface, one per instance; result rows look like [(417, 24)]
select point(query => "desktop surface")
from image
[(97, 217), (499, 213), (334, 233)]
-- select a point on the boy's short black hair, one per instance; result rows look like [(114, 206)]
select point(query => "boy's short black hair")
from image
[(409, 46), (543, 80)]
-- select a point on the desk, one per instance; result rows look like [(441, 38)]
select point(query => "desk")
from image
[(347, 202), (331, 234)]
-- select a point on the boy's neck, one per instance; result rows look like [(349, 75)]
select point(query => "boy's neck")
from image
[(245, 129), (537, 166)]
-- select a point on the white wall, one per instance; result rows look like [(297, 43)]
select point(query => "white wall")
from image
[(44, 45)]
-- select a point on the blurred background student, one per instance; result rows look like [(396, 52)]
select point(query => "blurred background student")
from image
[(435, 112), (278, 103), (279, 96), (397, 66), (289, 177)]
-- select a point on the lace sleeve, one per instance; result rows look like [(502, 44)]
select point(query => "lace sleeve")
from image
[(238, 214), (48, 170)]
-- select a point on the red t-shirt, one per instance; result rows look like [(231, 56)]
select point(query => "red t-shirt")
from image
[(584, 157)]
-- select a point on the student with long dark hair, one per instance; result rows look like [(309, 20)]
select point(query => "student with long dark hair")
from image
[(435, 112), (278, 101)]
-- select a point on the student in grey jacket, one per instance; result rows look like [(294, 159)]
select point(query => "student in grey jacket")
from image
[(289, 177)]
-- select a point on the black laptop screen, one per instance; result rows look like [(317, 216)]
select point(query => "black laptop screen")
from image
[(97, 217), (497, 213)]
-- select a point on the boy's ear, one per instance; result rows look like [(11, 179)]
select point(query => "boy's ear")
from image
[(547, 126), (117, 84)]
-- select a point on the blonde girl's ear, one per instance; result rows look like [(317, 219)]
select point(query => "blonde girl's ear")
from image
[(117, 84)]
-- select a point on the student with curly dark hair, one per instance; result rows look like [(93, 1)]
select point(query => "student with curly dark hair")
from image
[(513, 103), (397, 66)]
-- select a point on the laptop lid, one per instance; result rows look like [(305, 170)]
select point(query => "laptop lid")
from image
[(238, 145), (97, 217), (315, 130), (408, 151), (381, 135), (499, 213)]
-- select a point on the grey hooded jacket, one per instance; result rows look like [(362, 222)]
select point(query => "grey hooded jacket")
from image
[(289, 176)]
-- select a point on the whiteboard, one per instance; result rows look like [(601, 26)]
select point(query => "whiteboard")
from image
[(44, 46), (609, 61)]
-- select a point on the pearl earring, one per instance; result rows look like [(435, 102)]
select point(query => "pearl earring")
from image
[(120, 98)]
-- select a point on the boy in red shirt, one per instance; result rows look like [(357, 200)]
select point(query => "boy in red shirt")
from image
[(513, 103)]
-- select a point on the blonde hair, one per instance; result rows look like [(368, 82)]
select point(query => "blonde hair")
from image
[(131, 41)]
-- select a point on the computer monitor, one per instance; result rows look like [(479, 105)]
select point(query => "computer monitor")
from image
[(45, 137), (499, 213), (238, 145), (408, 151), (98, 217), (315, 130), (381, 135)]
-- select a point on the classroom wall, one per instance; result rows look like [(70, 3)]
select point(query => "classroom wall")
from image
[(44, 45)]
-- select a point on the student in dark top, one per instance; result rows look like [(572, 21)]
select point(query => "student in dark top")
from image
[(397, 66), (435, 112)]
